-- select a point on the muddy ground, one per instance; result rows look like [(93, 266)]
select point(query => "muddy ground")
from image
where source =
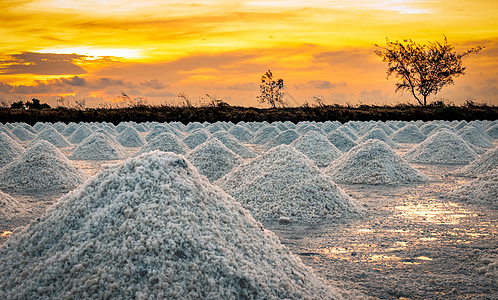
[(412, 243)]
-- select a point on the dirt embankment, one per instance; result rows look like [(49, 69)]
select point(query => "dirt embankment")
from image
[(237, 114)]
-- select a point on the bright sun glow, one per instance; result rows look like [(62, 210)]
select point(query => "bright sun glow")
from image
[(95, 53)]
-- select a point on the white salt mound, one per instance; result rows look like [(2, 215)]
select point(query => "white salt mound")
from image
[(444, 147), (329, 126), (372, 162), (69, 129), (483, 164), (98, 146), (341, 140), (166, 142), (317, 148), (22, 134), (427, 127), (213, 159), (378, 134), (472, 136), (285, 183), (158, 129), (265, 134), (284, 138), (347, 130), (212, 128), (307, 128), (231, 143), (493, 131), (196, 138), (80, 134), (52, 136), (9, 207), (129, 137), (408, 134), (152, 228), (241, 133), (41, 167), (9, 149), (483, 190)]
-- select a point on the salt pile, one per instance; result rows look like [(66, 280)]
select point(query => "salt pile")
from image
[(98, 146), (54, 137), (347, 130), (9, 149), (472, 136), (241, 133), (26, 126), (109, 127), (193, 126), (41, 167), (163, 233), (341, 140), (213, 159), (196, 138), (129, 137), (265, 134), (444, 147), (317, 148), (307, 128), (6, 130), (71, 127), (281, 126), (378, 134), (483, 190), (408, 134), (372, 162), (441, 128), (41, 126), (426, 128), (284, 138), (8, 206), (231, 143), (329, 126), (59, 126), (212, 128), (140, 127), (22, 134), (493, 131), (166, 142), (80, 134), (483, 164), (158, 129), (283, 183), (121, 126)]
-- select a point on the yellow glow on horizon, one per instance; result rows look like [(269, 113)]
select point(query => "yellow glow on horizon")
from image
[(95, 53), (216, 43)]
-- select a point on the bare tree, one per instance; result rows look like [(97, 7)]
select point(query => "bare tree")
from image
[(271, 90), (423, 69)]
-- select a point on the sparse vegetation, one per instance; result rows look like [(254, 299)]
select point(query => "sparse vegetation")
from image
[(421, 69), (221, 111), (271, 90)]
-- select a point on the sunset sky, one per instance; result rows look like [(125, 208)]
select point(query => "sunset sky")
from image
[(95, 50)]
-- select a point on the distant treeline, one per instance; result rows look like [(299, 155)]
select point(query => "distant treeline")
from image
[(441, 111)]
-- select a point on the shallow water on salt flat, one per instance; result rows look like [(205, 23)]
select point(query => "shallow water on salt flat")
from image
[(413, 243)]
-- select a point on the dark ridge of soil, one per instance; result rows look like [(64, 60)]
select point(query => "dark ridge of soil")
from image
[(236, 114)]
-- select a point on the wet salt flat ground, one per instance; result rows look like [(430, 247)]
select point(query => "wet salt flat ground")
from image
[(412, 243)]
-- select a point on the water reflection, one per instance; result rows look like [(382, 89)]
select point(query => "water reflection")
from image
[(438, 212), (6, 234)]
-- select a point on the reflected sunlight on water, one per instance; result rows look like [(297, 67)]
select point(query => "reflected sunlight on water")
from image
[(439, 213), (6, 234)]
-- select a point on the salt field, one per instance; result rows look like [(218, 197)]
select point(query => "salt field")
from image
[(254, 210)]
